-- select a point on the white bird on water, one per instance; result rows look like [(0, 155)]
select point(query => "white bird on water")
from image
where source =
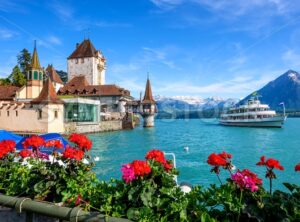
[(186, 149)]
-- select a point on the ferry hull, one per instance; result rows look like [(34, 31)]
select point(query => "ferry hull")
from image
[(276, 123)]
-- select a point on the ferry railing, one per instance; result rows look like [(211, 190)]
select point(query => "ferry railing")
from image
[(76, 214)]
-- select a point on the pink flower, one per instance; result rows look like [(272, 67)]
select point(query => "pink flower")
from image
[(127, 173), (246, 180), (78, 200)]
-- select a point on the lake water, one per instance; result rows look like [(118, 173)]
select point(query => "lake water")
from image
[(202, 136)]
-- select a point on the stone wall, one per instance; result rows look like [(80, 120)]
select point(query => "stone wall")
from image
[(103, 126)]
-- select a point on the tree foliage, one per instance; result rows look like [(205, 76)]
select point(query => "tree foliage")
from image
[(63, 75), (17, 77), (24, 59), (5, 81)]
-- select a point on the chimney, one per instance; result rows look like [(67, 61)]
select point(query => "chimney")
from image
[(77, 44)]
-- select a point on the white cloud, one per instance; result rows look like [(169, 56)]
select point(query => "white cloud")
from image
[(7, 34), (53, 40), (234, 7), (144, 59), (166, 4), (291, 58), (124, 68), (69, 16), (238, 86)]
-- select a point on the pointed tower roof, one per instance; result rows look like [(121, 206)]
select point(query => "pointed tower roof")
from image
[(148, 97), (83, 50), (35, 63), (52, 74), (47, 95)]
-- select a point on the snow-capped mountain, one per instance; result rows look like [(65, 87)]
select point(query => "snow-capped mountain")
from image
[(192, 103)]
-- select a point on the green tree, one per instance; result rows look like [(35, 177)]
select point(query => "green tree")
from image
[(5, 81), (24, 59), (63, 75), (17, 77)]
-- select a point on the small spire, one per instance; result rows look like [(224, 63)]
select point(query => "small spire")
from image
[(35, 63), (148, 97)]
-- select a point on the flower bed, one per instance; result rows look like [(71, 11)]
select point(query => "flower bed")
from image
[(147, 190)]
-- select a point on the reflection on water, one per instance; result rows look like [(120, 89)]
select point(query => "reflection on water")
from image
[(202, 137)]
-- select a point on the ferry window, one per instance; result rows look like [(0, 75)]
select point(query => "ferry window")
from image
[(55, 114), (7, 113), (40, 114), (16, 113)]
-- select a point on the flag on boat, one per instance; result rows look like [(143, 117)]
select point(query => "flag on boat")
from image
[(254, 93)]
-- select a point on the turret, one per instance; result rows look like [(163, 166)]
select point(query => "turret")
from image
[(148, 106), (35, 75)]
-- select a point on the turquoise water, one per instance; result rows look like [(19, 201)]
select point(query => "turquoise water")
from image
[(202, 136)]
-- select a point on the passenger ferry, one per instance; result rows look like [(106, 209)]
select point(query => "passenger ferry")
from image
[(253, 114)]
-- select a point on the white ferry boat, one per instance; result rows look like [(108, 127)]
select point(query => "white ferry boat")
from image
[(253, 114)]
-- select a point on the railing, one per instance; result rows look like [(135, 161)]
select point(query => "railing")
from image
[(76, 214)]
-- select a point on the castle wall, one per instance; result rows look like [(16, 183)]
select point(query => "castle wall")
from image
[(27, 119), (103, 126)]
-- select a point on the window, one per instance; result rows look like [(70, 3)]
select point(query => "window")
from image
[(7, 113), (82, 60), (30, 75), (55, 114), (41, 76), (76, 61), (16, 113), (35, 75), (39, 114)]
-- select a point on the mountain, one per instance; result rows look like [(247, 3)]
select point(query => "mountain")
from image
[(191, 103), (286, 88)]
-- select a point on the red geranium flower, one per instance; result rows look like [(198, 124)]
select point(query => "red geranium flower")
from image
[(262, 161), (57, 144), (216, 160), (7, 146), (33, 142), (81, 141), (141, 168), (156, 155), (225, 155), (25, 153), (71, 153), (168, 166), (270, 163), (297, 167)]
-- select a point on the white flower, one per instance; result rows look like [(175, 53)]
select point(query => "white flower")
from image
[(85, 161), (96, 158), (17, 159), (61, 163)]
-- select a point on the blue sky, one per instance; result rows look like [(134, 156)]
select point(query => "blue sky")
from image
[(226, 48)]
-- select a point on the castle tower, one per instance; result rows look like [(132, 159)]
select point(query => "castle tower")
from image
[(148, 106), (35, 76), (50, 109), (87, 61)]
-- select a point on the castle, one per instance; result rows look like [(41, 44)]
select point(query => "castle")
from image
[(84, 104)]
